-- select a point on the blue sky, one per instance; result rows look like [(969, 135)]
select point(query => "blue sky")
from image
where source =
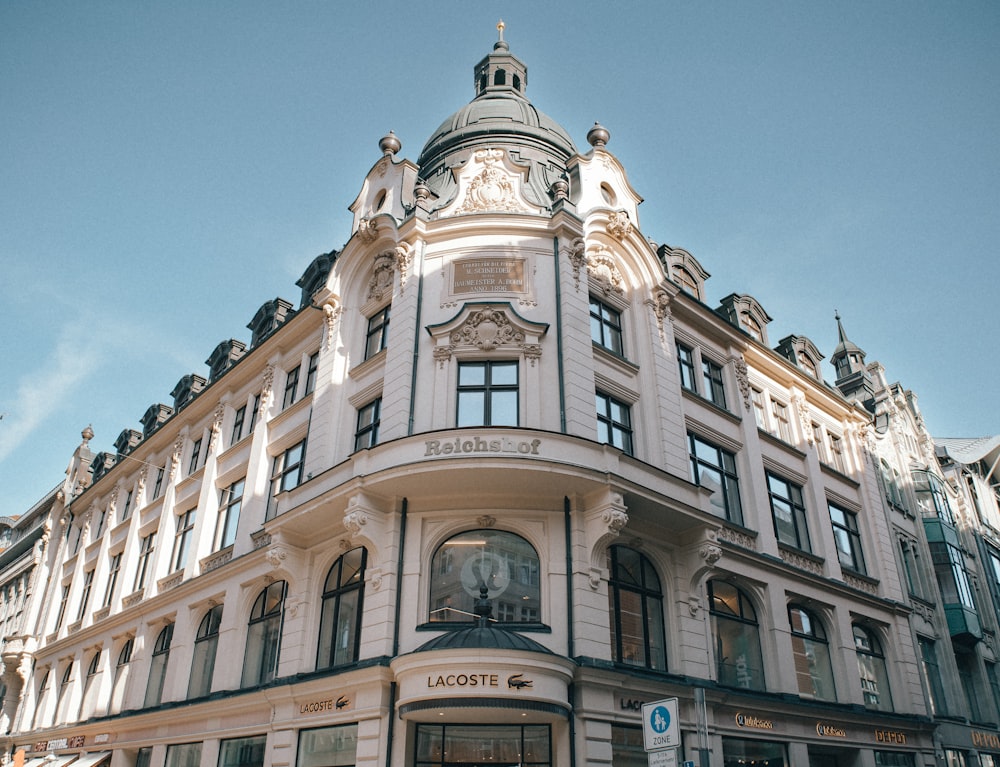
[(165, 168)]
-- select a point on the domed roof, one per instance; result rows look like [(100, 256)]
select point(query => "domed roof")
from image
[(487, 637), (499, 115)]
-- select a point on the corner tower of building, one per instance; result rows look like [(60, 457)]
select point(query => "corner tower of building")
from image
[(500, 115)]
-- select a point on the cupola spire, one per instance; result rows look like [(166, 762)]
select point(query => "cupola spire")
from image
[(501, 71), (848, 358)]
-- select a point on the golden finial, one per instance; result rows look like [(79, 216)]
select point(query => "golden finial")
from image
[(500, 28)]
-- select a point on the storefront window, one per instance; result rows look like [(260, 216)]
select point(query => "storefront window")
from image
[(955, 758), (737, 637), (242, 752), (893, 759), (260, 665), (740, 753), (872, 670), (495, 745), (328, 746), (504, 563), (811, 652), (340, 622), (636, 605), (627, 747), (184, 755)]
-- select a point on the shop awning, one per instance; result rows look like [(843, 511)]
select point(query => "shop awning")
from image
[(93, 759)]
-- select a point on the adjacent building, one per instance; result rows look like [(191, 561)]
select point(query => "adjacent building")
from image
[(498, 478)]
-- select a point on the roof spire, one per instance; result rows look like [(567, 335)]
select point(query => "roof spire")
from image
[(500, 28)]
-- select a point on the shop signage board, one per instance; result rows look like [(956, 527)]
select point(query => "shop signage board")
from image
[(660, 725)]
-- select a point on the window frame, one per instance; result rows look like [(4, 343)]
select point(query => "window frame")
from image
[(239, 419), (290, 397), (264, 630), (366, 433), (811, 650), (195, 456), (686, 367), (713, 378), (872, 669), (745, 616), (730, 485), (847, 532), (606, 327), (146, 548), (489, 391), (796, 527), (312, 372), (227, 523), (614, 428), (646, 595), (377, 332), (206, 647), (159, 660), (333, 624), (281, 470)]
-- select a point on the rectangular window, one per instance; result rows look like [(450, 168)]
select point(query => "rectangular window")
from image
[(837, 453), (114, 567), (369, 418), (182, 540), (965, 662), (127, 508), (286, 474), (291, 387), (145, 555), (614, 422), (715, 469), (685, 360), (893, 759), (783, 429), (912, 566), (487, 394), (158, 486), (627, 748), (820, 443), (311, 372), (605, 326), (788, 511), (230, 503), (757, 398), (714, 388), (238, 419), (932, 676), (62, 606), (848, 538), (254, 413), (100, 525), (195, 455), (88, 582), (378, 333), (952, 575), (994, 682)]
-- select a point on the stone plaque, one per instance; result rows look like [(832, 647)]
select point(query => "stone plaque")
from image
[(488, 275)]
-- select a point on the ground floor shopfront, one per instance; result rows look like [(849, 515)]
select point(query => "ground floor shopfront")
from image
[(484, 707)]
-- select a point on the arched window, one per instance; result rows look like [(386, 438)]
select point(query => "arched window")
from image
[(61, 700), (260, 664), (206, 643), (686, 280), (500, 77), (871, 668), (158, 666), (340, 621), (811, 654), (504, 563), (91, 687), (43, 693), (737, 637), (121, 678), (635, 601)]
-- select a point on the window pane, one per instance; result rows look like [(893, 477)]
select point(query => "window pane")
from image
[(503, 409), (471, 408), (472, 374), (503, 374)]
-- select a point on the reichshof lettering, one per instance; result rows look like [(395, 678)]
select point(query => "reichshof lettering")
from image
[(480, 445)]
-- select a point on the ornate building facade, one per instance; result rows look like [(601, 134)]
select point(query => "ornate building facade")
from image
[(498, 479)]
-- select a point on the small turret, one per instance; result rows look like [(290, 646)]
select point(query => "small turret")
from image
[(853, 378)]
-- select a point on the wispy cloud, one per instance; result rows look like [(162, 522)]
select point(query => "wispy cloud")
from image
[(41, 391)]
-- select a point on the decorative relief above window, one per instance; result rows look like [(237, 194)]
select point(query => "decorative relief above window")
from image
[(604, 271), (486, 328)]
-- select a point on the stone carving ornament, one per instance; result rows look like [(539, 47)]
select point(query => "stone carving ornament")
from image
[(487, 329), (491, 189), (743, 380), (578, 258), (331, 312), (619, 225), (604, 270), (382, 272)]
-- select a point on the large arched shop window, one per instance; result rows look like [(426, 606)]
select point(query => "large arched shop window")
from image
[(340, 621), (120, 681), (260, 664), (505, 563), (811, 654), (737, 637), (635, 601), (206, 643), (871, 668), (158, 667)]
